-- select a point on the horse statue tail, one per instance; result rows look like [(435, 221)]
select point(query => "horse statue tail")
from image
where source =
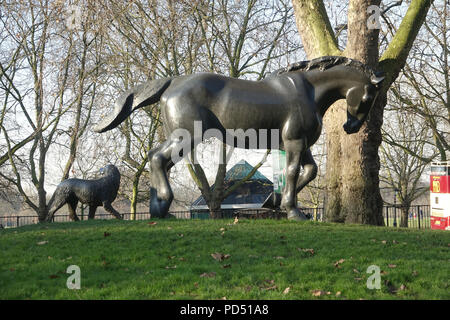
[(137, 97)]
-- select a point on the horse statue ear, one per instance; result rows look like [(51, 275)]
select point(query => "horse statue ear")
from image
[(377, 79)]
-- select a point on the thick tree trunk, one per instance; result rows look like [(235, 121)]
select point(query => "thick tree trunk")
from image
[(361, 200), (353, 164), (215, 209)]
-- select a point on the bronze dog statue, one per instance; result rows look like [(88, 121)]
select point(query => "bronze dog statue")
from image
[(95, 193)]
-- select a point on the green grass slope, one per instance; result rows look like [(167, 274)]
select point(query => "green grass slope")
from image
[(253, 259)]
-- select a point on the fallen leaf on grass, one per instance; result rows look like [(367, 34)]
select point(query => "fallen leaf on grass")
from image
[(415, 273), (270, 288), (106, 234), (171, 267), (208, 275), (12, 269), (268, 285), (338, 263), (222, 229), (356, 271), (225, 266), (338, 293), (223, 298), (402, 287), (319, 293), (53, 276), (42, 243), (286, 291), (306, 250), (220, 256), (169, 228), (383, 241), (181, 235), (358, 279), (392, 266), (279, 257), (152, 223)]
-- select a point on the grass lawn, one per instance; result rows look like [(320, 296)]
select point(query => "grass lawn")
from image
[(253, 259)]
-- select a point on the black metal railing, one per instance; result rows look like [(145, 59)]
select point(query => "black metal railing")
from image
[(418, 216)]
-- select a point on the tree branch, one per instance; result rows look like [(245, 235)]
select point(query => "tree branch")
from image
[(394, 58), (315, 28)]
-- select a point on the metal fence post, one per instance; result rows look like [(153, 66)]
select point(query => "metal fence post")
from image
[(387, 216), (395, 216), (418, 217)]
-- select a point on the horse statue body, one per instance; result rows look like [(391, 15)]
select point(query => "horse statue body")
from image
[(292, 101), (95, 193)]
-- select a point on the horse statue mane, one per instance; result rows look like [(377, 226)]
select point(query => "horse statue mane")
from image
[(324, 63)]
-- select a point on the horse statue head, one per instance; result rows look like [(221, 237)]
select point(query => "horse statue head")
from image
[(360, 100), (358, 83)]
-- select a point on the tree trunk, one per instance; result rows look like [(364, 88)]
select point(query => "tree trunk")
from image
[(134, 196), (404, 216), (215, 209)]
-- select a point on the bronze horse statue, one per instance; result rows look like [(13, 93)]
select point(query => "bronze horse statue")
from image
[(292, 100)]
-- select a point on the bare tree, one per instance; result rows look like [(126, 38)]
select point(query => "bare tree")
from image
[(42, 82), (424, 85), (400, 170)]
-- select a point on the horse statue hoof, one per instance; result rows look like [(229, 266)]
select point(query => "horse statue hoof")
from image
[(159, 208), (296, 215)]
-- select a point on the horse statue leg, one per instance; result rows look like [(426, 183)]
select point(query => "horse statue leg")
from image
[(92, 210), (73, 210), (60, 201), (294, 150), (161, 195), (309, 170), (108, 207)]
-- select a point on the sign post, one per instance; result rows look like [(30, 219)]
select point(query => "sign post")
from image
[(440, 195)]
